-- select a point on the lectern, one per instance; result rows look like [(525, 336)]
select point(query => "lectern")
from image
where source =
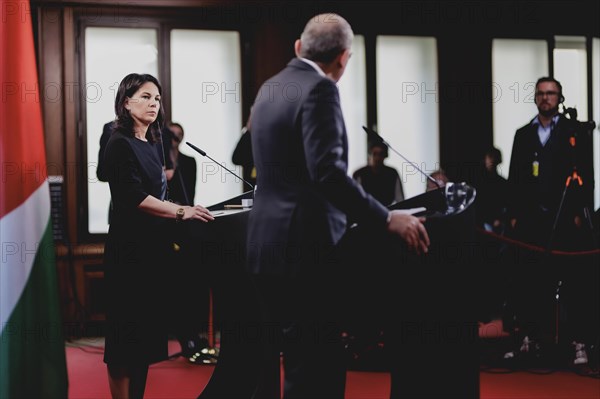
[(425, 303), (219, 247)]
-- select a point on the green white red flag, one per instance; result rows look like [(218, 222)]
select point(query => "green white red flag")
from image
[(32, 350)]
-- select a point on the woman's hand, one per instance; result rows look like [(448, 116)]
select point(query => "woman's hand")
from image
[(197, 212)]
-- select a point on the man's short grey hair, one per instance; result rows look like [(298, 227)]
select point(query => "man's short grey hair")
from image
[(325, 36)]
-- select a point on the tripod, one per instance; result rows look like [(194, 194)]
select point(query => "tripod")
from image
[(573, 181), (550, 283)]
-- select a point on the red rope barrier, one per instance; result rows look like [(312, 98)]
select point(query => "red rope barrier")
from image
[(536, 248)]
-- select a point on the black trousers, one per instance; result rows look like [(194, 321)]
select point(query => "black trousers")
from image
[(299, 320)]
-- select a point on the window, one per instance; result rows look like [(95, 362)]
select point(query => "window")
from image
[(353, 97), (205, 92), (516, 66), (110, 55), (206, 101), (570, 69), (407, 105)]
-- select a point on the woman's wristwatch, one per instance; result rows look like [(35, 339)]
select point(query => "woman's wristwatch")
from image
[(179, 214)]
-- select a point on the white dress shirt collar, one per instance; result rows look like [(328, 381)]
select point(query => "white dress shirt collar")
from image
[(314, 65), (544, 132)]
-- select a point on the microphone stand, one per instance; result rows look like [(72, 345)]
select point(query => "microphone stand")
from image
[(573, 178), (373, 134), (204, 154), (210, 354)]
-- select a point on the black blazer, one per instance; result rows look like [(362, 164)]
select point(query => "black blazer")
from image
[(101, 167), (242, 155), (303, 193), (556, 163), (182, 186)]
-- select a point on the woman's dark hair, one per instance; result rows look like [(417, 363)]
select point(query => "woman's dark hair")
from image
[(124, 122)]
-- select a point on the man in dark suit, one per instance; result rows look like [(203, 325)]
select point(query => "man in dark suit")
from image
[(492, 192), (303, 197), (242, 154), (190, 288), (182, 186), (545, 153), (381, 181), (549, 153)]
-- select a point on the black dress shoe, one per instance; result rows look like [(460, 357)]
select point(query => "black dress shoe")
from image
[(205, 356), (191, 346)]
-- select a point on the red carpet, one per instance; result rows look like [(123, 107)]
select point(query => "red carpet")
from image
[(177, 379)]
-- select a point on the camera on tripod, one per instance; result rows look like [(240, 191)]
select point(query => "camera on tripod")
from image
[(581, 126), (582, 168)]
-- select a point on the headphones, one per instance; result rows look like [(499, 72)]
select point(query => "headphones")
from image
[(561, 99)]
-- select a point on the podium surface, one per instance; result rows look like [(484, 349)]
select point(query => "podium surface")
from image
[(425, 303)]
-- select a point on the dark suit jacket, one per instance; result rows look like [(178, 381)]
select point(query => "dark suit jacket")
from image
[(100, 169), (385, 185), (529, 193), (303, 190), (492, 194), (182, 187), (242, 155)]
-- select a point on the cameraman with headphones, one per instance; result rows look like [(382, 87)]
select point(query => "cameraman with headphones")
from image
[(550, 185), (545, 153)]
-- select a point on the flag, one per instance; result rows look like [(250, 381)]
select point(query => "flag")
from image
[(32, 349)]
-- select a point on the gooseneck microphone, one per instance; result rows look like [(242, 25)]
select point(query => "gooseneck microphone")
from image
[(377, 138), (204, 154)]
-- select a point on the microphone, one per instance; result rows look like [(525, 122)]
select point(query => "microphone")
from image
[(373, 135), (204, 154)]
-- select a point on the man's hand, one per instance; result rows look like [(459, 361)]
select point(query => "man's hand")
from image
[(411, 229)]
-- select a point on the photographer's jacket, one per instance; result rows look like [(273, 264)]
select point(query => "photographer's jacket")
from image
[(538, 173)]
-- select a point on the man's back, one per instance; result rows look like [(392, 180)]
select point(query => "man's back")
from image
[(289, 139)]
